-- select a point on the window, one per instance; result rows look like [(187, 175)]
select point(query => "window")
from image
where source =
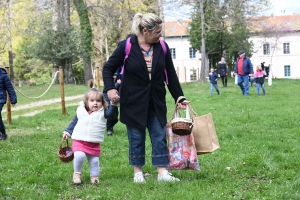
[(193, 73), (286, 48), (173, 53), (266, 49), (287, 70), (192, 53)]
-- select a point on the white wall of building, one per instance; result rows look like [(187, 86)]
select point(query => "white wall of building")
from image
[(183, 64), (277, 58)]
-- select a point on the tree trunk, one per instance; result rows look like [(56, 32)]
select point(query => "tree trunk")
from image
[(204, 72), (161, 16), (86, 38), (61, 18), (10, 53)]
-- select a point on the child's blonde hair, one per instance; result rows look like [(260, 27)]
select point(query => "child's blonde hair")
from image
[(258, 67), (93, 93)]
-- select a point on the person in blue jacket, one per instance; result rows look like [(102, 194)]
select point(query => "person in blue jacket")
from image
[(6, 87), (243, 69), (213, 78)]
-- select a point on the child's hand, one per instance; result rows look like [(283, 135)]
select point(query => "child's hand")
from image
[(115, 100), (66, 135)]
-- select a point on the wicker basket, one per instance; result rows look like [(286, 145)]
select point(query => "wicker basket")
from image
[(182, 126), (65, 153)]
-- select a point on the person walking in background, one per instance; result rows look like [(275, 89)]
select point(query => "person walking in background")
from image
[(213, 78), (243, 69), (223, 71), (113, 119), (267, 70), (87, 132), (6, 87), (143, 93), (262, 65), (259, 80)]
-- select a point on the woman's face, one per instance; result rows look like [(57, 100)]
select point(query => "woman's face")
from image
[(153, 37)]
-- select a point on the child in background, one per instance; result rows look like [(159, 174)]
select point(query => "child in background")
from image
[(213, 78), (6, 87), (87, 132), (259, 80)]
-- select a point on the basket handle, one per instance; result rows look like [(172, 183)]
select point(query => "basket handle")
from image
[(176, 111), (60, 146)]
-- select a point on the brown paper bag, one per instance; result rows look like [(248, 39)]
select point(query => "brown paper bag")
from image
[(205, 135)]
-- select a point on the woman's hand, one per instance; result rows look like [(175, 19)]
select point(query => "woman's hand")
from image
[(113, 95), (183, 104)]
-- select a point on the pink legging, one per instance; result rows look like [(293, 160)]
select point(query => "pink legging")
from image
[(79, 157)]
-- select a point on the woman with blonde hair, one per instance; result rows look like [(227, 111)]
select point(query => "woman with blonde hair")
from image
[(143, 93)]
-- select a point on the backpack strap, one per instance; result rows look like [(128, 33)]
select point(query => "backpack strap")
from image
[(127, 51), (163, 45)]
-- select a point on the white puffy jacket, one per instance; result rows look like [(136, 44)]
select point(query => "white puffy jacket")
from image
[(90, 127)]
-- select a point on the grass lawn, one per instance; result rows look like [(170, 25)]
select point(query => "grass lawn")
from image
[(259, 138)]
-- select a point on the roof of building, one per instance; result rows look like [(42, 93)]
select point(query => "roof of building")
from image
[(282, 23), (286, 23), (176, 28)]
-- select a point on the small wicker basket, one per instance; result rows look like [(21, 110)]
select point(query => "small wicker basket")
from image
[(182, 126), (65, 153)]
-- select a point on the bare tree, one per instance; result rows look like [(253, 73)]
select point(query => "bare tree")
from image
[(161, 15), (204, 59), (272, 34)]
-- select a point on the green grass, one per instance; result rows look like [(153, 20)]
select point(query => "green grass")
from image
[(259, 138)]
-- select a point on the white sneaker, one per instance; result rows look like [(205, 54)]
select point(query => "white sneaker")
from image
[(166, 176), (139, 178)]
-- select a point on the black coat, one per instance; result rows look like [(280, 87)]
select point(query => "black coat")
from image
[(222, 69), (137, 89), (6, 86)]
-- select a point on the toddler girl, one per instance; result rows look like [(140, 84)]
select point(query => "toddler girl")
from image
[(87, 132), (259, 80)]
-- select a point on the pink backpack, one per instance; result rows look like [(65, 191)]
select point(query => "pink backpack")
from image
[(127, 51)]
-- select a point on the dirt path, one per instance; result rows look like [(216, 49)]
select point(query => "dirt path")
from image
[(45, 102), (42, 103)]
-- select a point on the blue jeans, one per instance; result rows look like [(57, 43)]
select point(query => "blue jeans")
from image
[(258, 86), (2, 127), (137, 140), (243, 79), (212, 86)]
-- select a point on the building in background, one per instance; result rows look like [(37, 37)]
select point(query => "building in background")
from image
[(186, 59), (277, 43)]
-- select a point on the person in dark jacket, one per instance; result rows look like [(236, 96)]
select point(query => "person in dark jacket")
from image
[(6, 87), (213, 78), (143, 94), (223, 71), (243, 69), (113, 119)]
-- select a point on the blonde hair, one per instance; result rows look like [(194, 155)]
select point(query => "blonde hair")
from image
[(149, 21), (257, 67), (93, 93)]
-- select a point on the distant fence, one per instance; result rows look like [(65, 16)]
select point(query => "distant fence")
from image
[(74, 80)]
